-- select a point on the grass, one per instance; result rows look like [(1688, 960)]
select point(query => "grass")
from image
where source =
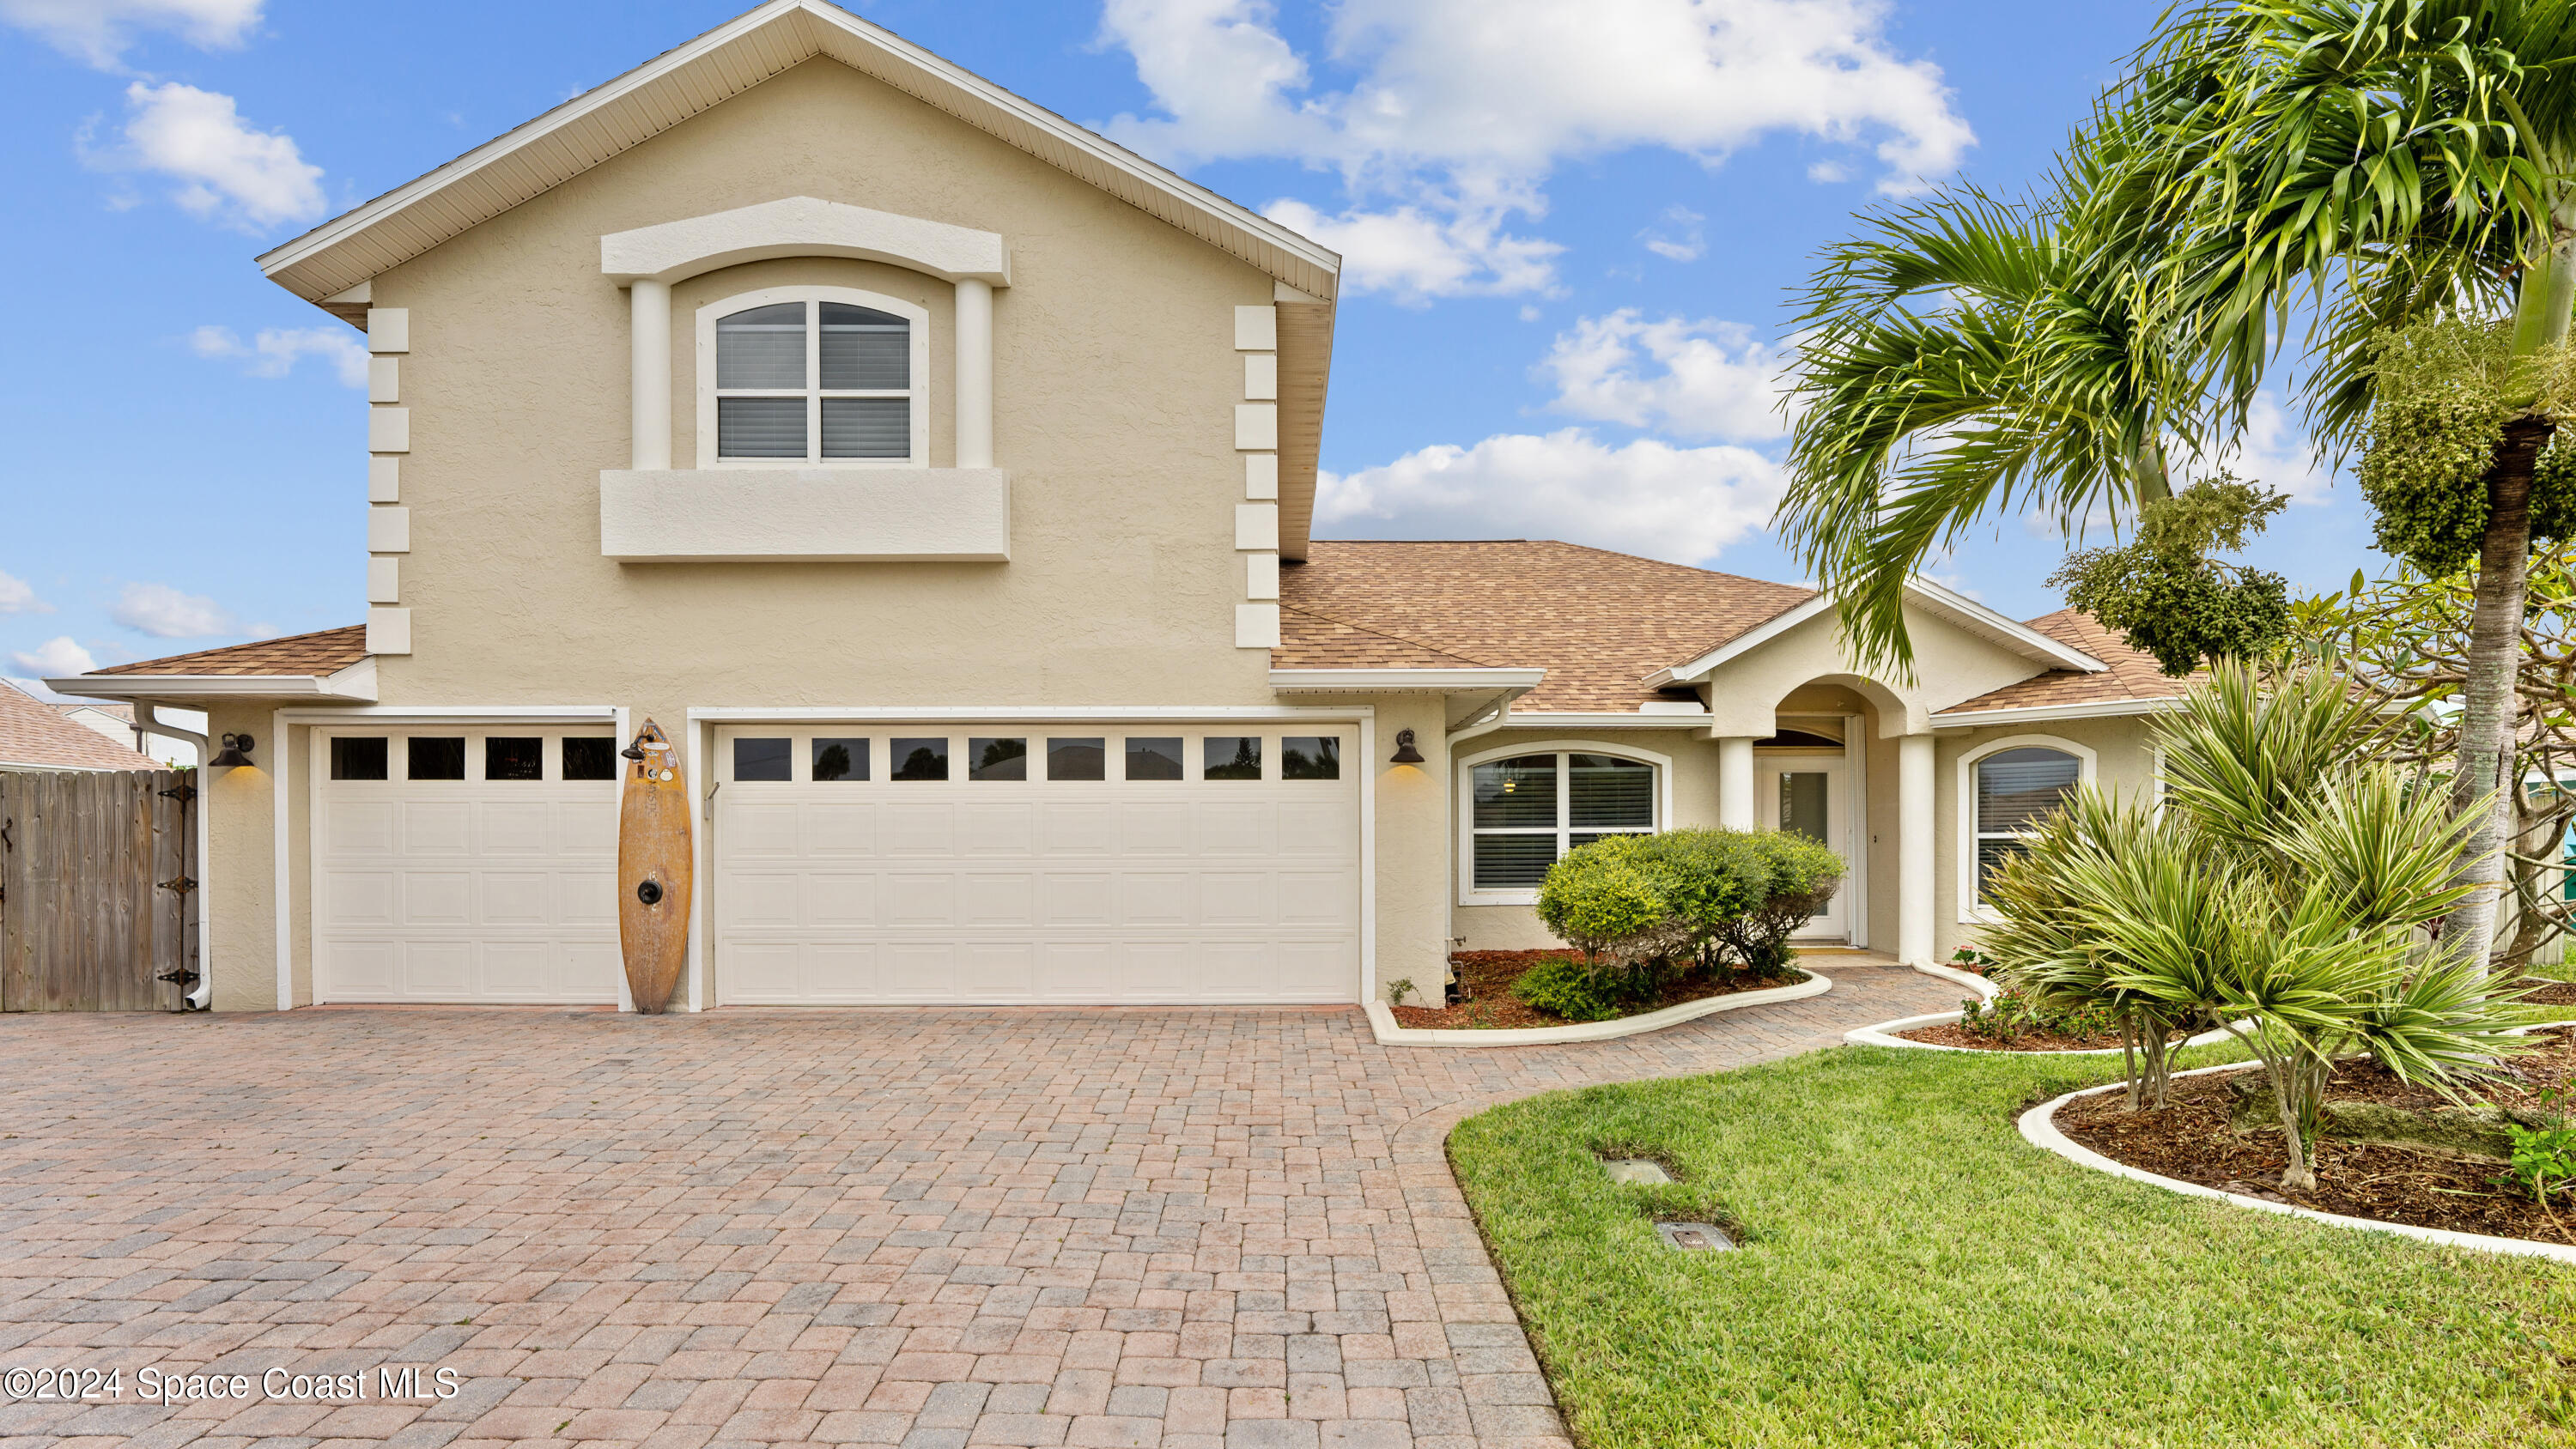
[(1916, 1274)]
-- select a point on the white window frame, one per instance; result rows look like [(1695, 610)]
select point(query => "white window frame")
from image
[(1973, 911), (1465, 870), (919, 392)]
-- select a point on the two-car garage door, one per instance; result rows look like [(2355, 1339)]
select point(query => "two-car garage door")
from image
[(1034, 863), (855, 864)]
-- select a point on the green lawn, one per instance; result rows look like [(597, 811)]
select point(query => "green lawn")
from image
[(1918, 1275)]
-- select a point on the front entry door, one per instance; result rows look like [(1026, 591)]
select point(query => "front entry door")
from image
[(1806, 795)]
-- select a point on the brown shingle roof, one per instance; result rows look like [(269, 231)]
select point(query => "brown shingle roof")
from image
[(2133, 674), (35, 733), (312, 655), (1597, 622)]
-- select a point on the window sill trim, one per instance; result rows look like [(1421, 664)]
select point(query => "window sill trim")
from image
[(805, 515), (1498, 898)]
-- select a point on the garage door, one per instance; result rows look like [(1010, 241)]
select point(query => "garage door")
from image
[(466, 865), (1082, 863)]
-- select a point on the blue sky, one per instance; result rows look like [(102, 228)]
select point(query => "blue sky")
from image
[(1570, 232)]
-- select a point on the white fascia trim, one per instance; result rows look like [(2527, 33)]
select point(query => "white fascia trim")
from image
[(802, 226), (2022, 639), (501, 149), (791, 714), (1362, 681), (456, 714), (348, 683), (1531, 719), (1959, 609), (2099, 709)]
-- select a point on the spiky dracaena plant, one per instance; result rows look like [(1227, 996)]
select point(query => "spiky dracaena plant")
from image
[(2280, 891)]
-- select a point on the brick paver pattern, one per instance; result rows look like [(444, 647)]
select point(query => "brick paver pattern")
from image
[(1189, 1229)]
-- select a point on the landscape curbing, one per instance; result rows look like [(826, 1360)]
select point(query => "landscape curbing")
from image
[(1885, 1034), (2039, 1128), (1381, 1019)]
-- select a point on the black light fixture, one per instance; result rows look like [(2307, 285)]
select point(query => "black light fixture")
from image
[(236, 753), (1405, 753)]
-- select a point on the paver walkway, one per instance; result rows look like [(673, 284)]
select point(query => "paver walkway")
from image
[(1179, 1228)]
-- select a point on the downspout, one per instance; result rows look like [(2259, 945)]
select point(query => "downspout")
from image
[(147, 720), (1493, 716)]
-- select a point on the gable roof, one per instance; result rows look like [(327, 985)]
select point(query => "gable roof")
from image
[(35, 733), (1598, 622), (331, 664), (2132, 682), (719, 65)]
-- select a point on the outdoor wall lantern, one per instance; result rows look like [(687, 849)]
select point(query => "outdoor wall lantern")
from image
[(236, 753), (1405, 753)]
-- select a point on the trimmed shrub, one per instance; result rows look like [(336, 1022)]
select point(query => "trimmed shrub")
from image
[(1609, 901), (1801, 875), (1641, 907), (1571, 990)]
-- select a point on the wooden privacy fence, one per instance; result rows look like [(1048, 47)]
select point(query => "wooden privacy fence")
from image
[(97, 890)]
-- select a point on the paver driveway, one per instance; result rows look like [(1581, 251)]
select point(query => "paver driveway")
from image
[(1176, 1228)]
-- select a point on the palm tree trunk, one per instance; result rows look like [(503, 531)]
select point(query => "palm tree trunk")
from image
[(2487, 713)]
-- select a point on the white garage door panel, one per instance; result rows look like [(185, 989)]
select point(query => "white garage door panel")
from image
[(470, 890), (846, 892)]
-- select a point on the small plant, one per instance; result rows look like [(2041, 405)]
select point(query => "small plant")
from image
[(1398, 989), (1571, 990), (1970, 959), (2544, 1158), (2012, 1013)]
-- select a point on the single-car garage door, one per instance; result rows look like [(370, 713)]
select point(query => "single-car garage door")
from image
[(1078, 863), (465, 865)]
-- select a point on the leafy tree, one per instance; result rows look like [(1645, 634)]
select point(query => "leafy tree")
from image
[(2407, 170), (2165, 592)]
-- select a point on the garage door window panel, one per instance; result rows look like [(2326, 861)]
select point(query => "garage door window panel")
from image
[(1082, 758), (514, 757), (359, 757), (763, 759), (1231, 757), (1153, 757), (997, 759), (1310, 757), (589, 757), (840, 758), (920, 758), (435, 757)]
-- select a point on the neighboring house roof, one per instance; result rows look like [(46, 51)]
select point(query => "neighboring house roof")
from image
[(1597, 622), (35, 733), (332, 664), (326, 652), (123, 712), (2132, 684), (719, 65)]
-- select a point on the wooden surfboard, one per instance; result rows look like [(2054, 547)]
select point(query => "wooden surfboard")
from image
[(653, 869)]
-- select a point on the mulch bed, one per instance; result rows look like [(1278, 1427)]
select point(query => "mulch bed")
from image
[(2192, 1140), (1485, 1000), (2550, 993), (1950, 1033)]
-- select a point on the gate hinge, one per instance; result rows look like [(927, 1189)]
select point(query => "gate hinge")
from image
[(181, 793), (180, 883), (183, 977)]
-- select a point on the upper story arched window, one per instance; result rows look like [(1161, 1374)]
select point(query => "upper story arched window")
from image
[(813, 376), (2007, 788)]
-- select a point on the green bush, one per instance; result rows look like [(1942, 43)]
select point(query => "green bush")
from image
[(1573, 990), (1640, 907)]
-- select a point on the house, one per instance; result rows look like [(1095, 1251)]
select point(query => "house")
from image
[(35, 735), (941, 477), (116, 722)]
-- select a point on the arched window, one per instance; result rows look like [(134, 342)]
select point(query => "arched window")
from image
[(812, 376), (1527, 806), (2011, 785)]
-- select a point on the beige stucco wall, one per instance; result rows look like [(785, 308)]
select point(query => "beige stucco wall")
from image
[(2124, 762), (1114, 377)]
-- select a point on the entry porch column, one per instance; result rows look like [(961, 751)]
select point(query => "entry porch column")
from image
[(1914, 849), (1735, 782)]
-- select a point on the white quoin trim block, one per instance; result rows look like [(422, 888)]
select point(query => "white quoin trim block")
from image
[(1256, 626), (384, 480), (384, 580), (384, 379), (389, 329), (1261, 475), (388, 530), (389, 430), (389, 631)]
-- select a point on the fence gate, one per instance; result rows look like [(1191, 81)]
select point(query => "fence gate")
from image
[(97, 880)]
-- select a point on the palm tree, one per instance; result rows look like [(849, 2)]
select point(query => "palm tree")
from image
[(2389, 163), (1966, 357)]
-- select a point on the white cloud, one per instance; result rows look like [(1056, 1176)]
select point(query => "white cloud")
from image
[(1460, 109), (17, 596), (165, 613), (1418, 256), (55, 658), (227, 170), (1648, 497), (2279, 454), (1717, 380), (1692, 241), (1825, 173), (273, 353), (100, 31)]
